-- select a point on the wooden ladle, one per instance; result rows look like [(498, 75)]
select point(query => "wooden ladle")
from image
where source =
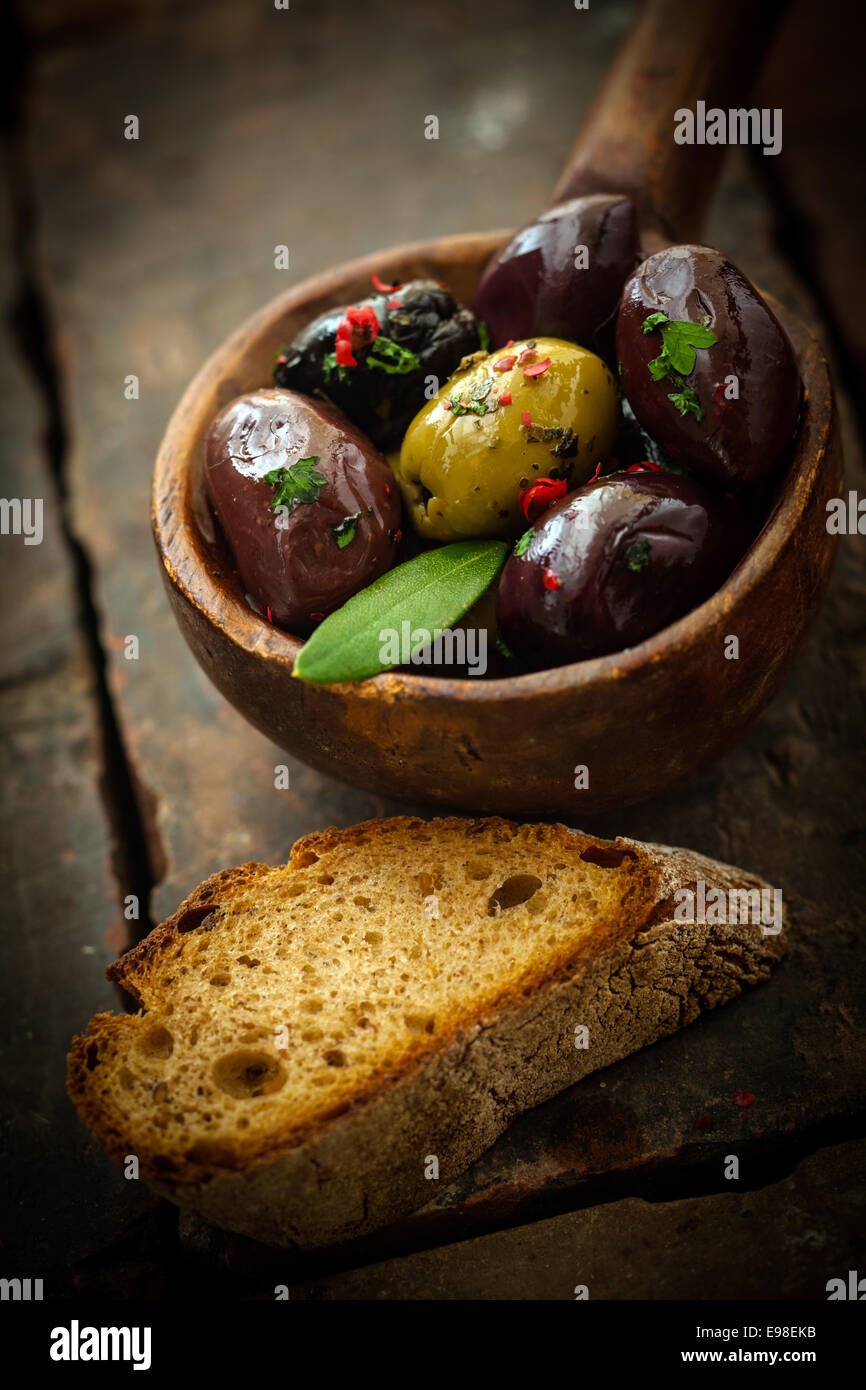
[(638, 720)]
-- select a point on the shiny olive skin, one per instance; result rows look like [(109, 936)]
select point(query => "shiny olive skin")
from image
[(290, 560), (634, 444), (423, 318), (461, 474), (532, 286), (614, 562), (736, 442)]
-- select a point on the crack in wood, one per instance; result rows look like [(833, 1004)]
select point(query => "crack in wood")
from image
[(137, 853)]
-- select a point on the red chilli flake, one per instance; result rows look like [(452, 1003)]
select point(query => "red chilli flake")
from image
[(343, 353), (550, 579), (270, 619), (639, 467), (596, 473), (505, 398), (364, 318), (527, 355), (537, 368), (704, 1122), (744, 1099), (394, 304), (543, 493), (316, 617), (382, 287), (358, 325), (504, 364), (510, 343), (527, 420)]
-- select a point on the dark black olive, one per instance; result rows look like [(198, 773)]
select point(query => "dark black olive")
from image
[(615, 561), (561, 276), (733, 412), (428, 334)]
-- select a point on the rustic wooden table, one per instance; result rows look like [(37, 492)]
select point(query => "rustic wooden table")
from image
[(132, 779)]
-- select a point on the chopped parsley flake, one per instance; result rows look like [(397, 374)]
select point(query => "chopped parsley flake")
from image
[(677, 357), (330, 366), (685, 400), (344, 533), (297, 483), (523, 544), (478, 405), (390, 357), (637, 557)]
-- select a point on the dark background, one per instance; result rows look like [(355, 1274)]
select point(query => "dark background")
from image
[(261, 127)]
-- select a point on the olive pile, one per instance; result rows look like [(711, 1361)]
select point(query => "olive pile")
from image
[(609, 417)]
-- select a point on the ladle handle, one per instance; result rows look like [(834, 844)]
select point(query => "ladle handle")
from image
[(676, 53)]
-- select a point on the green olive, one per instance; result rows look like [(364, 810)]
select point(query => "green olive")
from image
[(467, 456)]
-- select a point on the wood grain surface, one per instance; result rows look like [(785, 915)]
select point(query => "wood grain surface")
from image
[(305, 128)]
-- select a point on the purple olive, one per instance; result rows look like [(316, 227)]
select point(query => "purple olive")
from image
[(538, 286), (615, 561), (308, 506), (728, 414)]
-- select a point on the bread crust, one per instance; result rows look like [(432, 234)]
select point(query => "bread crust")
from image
[(451, 1098)]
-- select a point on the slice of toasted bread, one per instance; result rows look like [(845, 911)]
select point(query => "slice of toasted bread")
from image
[(312, 1037)]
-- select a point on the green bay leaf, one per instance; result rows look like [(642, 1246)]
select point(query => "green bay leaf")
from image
[(432, 592)]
